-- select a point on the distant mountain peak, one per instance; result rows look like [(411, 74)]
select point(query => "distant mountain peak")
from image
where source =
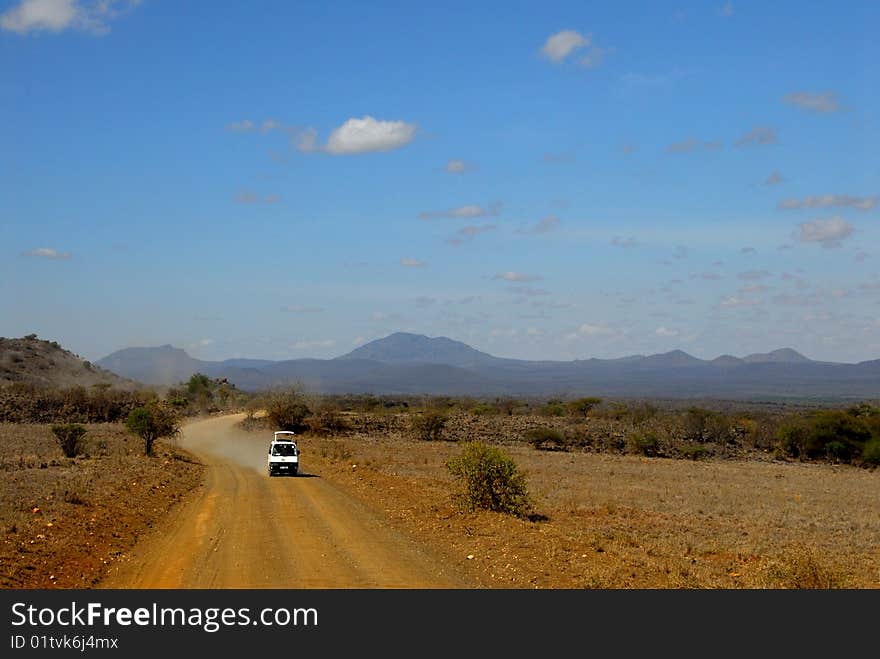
[(404, 347), (780, 356)]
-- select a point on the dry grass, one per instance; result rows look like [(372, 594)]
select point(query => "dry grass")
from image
[(63, 520), (629, 522)]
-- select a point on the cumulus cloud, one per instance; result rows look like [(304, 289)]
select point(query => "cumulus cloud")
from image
[(760, 135), (625, 243), (774, 179), (829, 201), (823, 103), (828, 233), (666, 332), (297, 308), (59, 15), (367, 135), (517, 276), (463, 212), (412, 263), (563, 43), (47, 253)]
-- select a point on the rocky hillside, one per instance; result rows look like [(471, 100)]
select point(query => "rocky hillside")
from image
[(36, 362)]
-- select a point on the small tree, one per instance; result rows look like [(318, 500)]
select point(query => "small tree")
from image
[(69, 436), (151, 422), (582, 406), (429, 425), (491, 480), (288, 411)]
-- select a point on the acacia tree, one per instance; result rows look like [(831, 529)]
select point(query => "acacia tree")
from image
[(151, 422), (584, 405)]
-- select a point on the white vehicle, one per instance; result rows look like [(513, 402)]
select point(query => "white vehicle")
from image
[(283, 454)]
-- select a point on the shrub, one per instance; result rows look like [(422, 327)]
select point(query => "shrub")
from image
[(695, 451), (429, 425), (287, 411), (491, 480), (582, 406), (553, 408), (327, 422), (829, 433), (644, 443), (547, 439), (871, 452), (701, 425), (151, 422), (69, 436)]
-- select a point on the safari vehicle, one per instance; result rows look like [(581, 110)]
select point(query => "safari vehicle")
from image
[(283, 454)]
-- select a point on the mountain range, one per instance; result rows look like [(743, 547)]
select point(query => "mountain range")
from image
[(404, 363)]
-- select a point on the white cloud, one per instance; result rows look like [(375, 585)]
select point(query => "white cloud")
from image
[(563, 43), (463, 212), (590, 329), (517, 276), (456, 166), (760, 135), (823, 103), (829, 201), (827, 233), (666, 332), (412, 263), (367, 135), (59, 15), (48, 253), (307, 141)]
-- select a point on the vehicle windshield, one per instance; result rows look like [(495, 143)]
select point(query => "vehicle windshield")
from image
[(284, 449)]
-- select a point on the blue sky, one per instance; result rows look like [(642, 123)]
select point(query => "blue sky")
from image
[(545, 180)]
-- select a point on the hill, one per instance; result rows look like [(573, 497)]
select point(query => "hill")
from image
[(36, 362), (403, 363)]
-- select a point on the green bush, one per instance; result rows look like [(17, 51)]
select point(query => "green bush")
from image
[(547, 439), (553, 408), (151, 422), (491, 480), (871, 452), (327, 422), (69, 436), (834, 434), (429, 425), (644, 443), (582, 406)]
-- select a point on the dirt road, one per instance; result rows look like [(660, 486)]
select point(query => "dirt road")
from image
[(246, 530)]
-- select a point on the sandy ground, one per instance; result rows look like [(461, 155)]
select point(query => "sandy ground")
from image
[(242, 529)]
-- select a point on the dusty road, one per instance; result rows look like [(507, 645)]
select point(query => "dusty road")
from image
[(246, 530)]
